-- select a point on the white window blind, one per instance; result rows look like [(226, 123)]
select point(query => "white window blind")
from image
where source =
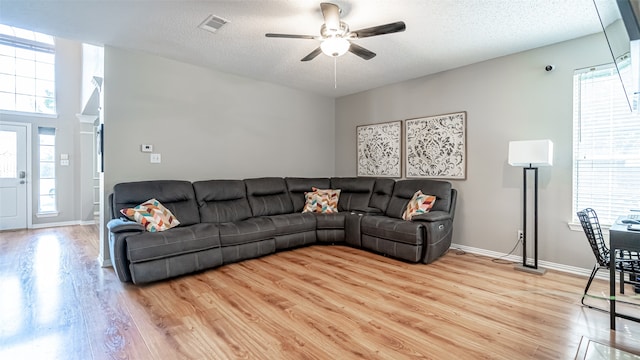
[(606, 145)]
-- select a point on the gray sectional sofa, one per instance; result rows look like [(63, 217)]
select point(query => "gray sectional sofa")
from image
[(225, 221)]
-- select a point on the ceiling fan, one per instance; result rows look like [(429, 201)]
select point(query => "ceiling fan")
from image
[(336, 38)]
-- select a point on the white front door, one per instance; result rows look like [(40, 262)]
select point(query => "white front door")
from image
[(13, 176)]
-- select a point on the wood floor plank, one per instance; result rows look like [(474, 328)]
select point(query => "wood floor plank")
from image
[(318, 302)]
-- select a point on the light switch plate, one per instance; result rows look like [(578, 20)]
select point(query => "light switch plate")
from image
[(64, 156), (146, 148), (155, 158)]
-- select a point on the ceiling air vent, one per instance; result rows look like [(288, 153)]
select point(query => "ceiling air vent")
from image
[(212, 23)]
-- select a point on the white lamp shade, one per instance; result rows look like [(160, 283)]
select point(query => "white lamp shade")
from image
[(531, 153), (335, 46)]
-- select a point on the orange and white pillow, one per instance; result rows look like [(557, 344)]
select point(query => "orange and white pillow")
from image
[(152, 215), (321, 201), (419, 204)]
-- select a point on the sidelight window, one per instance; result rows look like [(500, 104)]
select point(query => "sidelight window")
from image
[(47, 177)]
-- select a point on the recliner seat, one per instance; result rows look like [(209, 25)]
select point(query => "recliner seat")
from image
[(422, 239), (242, 236)]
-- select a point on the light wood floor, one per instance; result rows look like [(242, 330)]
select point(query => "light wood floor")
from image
[(320, 302)]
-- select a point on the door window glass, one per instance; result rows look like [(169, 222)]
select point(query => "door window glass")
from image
[(8, 154)]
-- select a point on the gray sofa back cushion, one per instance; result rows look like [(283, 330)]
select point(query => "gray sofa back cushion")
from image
[(381, 195), (268, 196), (404, 189), (222, 200), (298, 186), (177, 196), (355, 193)]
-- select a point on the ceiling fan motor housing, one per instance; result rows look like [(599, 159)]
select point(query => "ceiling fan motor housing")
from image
[(342, 31)]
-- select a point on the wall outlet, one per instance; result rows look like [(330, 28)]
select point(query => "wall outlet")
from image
[(520, 235)]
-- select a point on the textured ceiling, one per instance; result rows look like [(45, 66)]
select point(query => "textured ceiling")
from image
[(440, 34)]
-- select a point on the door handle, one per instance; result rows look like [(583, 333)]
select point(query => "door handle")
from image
[(22, 174)]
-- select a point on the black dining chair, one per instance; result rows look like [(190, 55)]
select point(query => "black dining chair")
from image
[(626, 261)]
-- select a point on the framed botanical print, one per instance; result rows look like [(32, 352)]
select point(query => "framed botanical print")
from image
[(379, 149), (435, 146)]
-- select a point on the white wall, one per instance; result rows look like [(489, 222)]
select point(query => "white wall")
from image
[(509, 98), (207, 124)]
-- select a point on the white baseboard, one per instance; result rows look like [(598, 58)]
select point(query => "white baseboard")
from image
[(105, 263), (55, 224), (604, 275), (62, 223)]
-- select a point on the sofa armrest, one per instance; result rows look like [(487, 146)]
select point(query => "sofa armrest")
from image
[(439, 228), (119, 230), (122, 225), (433, 216)]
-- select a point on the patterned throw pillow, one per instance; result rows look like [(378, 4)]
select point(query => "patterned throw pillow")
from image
[(321, 201), (419, 204), (152, 215)]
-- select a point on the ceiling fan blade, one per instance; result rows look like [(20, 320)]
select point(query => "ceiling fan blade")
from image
[(362, 52), (331, 14), (289, 36), (380, 29), (312, 55)]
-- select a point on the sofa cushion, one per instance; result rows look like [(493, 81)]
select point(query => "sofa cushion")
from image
[(331, 221), (180, 240), (297, 188), (381, 194), (152, 215), (403, 191), (222, 200), (246, 231), (322, 201), (268, 196), (355, 193), (177, 196), (293, 223), (398, 230), (419, 204)]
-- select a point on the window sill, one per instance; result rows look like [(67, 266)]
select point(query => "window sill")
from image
[(29, 114), (573, 226), (47, 214)]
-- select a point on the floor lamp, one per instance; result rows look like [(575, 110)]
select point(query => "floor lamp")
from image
[(530, 154)]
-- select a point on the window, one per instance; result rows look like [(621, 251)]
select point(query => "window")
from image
[(27, 71), (606, 145), (47, 178)]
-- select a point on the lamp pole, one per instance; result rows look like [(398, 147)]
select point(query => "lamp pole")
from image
[(526, 266)]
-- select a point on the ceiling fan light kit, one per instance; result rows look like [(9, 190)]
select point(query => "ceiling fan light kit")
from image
[(336, 38), (335, 46)]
